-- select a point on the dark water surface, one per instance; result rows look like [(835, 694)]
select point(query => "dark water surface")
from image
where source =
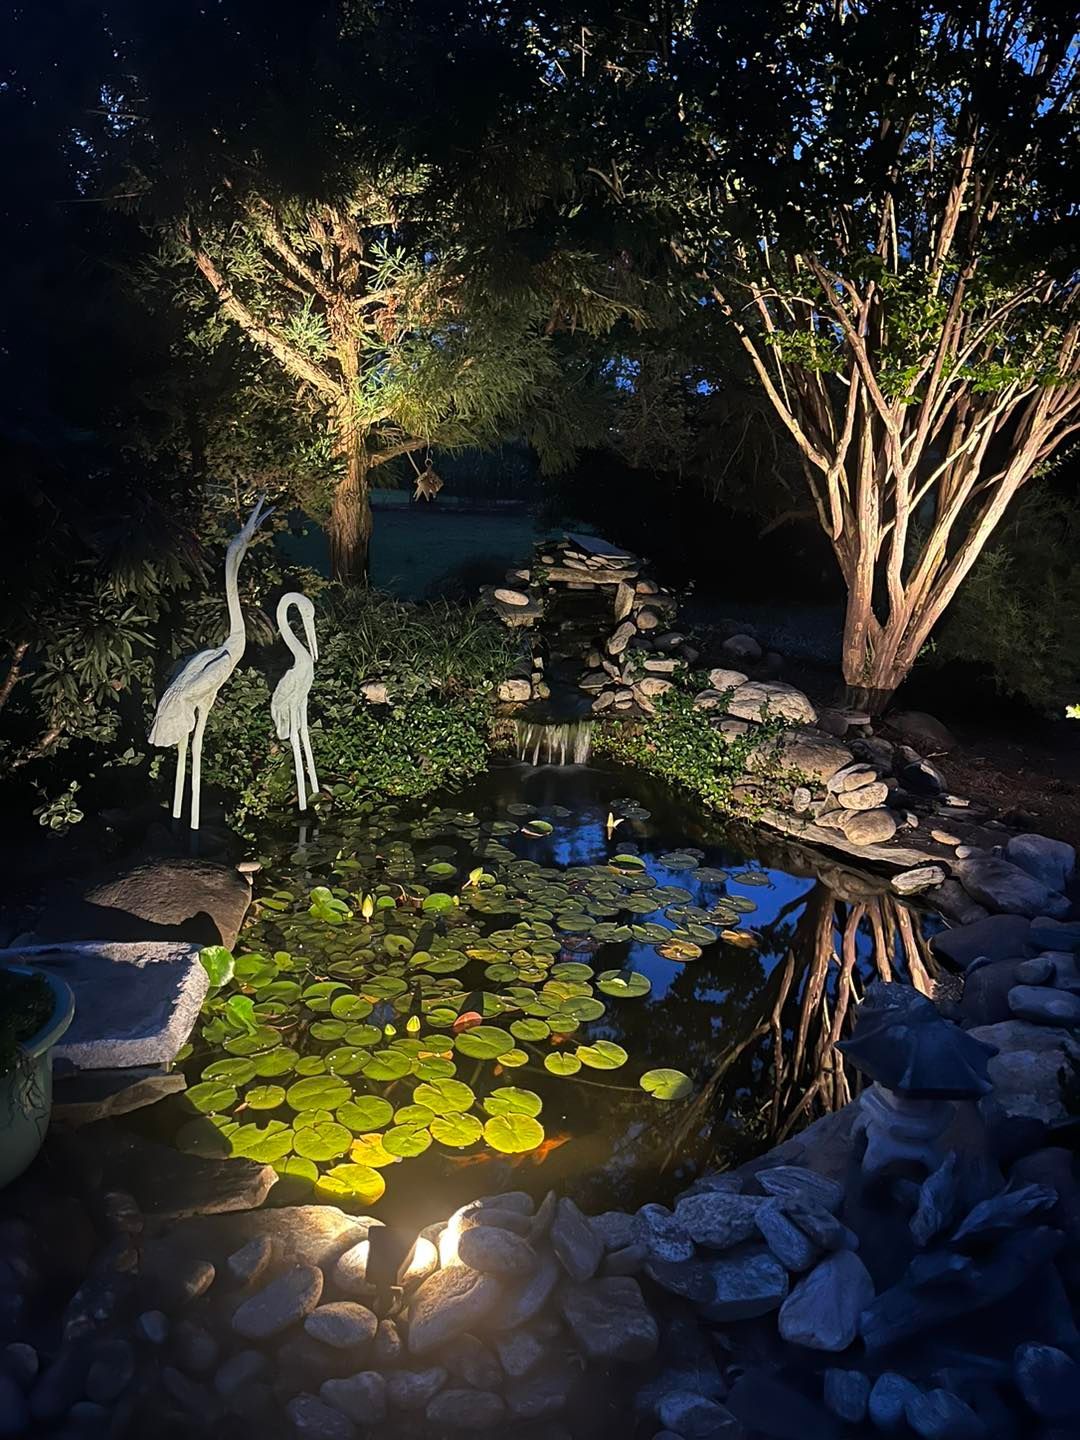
[(749, 1021)]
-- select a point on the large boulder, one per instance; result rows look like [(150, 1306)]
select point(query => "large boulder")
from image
[(774, 698), (996, 937), (922, 731), (1003, 887), (1051, 861), (164, 899), (816, 756), (1026, 1071)]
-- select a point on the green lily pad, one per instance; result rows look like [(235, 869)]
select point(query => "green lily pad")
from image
[(405, 1141), (530, 1030), (413, 1115), (234, 1072), (364, 1113), (272, 1064), (456, 1130), (513, 1134), (218, 964), (666, 1084), (370, 1150), (264, 1143), (350, 1007), (318, 1092), (484, 1042), (212, 1096), (561, 1064), (508, 1100), (265, 1097), (325, 1141), (357, 1183), (438, 901), (383, 1065), (626, 985), (444, 1097)]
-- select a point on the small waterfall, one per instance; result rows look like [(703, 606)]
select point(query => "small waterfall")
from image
[(567, 743)]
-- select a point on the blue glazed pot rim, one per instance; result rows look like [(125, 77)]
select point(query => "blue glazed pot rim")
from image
[(62, 1016)]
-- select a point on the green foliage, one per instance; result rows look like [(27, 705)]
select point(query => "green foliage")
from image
[(1018, 613), (678, 746)]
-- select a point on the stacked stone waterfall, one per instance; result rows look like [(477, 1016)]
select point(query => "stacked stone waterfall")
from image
[(607, 627)]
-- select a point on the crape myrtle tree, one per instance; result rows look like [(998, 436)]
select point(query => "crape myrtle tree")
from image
[(878, 199), (362, 192), (892, 236)]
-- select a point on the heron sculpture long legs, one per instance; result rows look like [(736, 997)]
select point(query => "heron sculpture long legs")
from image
[(288, 704)]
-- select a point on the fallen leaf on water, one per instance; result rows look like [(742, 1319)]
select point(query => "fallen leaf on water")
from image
[(744, 939)]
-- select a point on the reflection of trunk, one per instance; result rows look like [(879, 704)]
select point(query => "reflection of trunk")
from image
[(349, 530)]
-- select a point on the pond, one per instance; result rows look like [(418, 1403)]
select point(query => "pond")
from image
[(559, 977)]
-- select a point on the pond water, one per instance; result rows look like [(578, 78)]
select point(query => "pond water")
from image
[(559, 977)]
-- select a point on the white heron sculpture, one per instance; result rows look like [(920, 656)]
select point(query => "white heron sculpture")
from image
[(192, 691), (288, 704)]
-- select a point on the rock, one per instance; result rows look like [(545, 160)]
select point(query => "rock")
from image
[(413, 1389), (247, 1264), (851, 777), (995, 1217), (170, 1183), (1049, 1381), (665, 1237), (514, 691), (694, 1416), (1050, 934), (723, 680), (85, 1096), (923, 731), (847, 1393), (59, 1385), (153, 1327), (953, 901), (375, 692), (997, 937), (767, 1406), (468, 1358), (816, 757), (718, 1219), (620, 637), (342, 1324), (388, 1344), (524, 1299), (542, 1395), (741, 647), (609, 1320), (689, 1279), (865, 797), (466, 1409), (506, 596), (194, 1348), (19, 1361), (312, 1417), (773, 697), (744, 1286), (823, 1229), (822, 1312), (161, 900), (709, 699), (496, 1251), (1053, 862), (448, 1303), (801, 798), (362, 1397), (1004, 887), (196, 1399), (888, 1401), (985, 1000), (135, 1003), (914, 882), (867, 827), (1039, 971), (617, 1229), (938, 1415), (788, 1243), (624, 600), (800, 1186), (577, 1246), (14, 1411), (519, 1352), (280, 1304), (651, 686), (1025, 1071), (418, 1264), (239, 1371), (1045, 1006), (919, 777), (939, 1202), (176, 1284)]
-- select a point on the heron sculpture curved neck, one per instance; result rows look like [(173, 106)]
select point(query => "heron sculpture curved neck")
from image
[(288, 704)]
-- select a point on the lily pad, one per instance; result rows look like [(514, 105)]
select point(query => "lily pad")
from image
[(561, 1064), (406, 1141), (508, 1100), (484, 1042), (602, 1055), (370, 1150), (444, 1097), (384, 1065), (212, 1096), (456, 1130), (365, 1112), (265, 1097), (318, 1092), (325, 1141), (357, 1183), (513, 1134), (624, 984), (666, 1084)]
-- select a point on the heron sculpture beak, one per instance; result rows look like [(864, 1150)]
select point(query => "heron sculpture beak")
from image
[(261, 512), (309, 631)]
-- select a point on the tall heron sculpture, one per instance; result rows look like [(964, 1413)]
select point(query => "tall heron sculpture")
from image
[(288, 704), (191, 693)]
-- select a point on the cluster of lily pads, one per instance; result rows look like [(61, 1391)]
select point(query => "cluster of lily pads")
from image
[(346, 1039)]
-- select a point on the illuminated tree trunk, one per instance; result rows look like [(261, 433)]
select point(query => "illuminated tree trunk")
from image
[(350, 524)]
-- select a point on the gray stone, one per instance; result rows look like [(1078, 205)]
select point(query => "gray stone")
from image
[(466, 1409), (362, 1397), (741, 647), (917, 728), (111, 1371), (823, 1228), (496, 1251), (249, 1263), (997, 937), (312, 1417), (519, 1352), (20, 1362), (609, 1319), (59, 1385), (718, 1219), (514, 691), (523, 1299), (938, 1415), (577, 1246), (867, 827), (791, 1246), (153, 1326), (468, 1358), (939, 1202), (767, 1406), (448, 1303), (985, 1000), (541, 1395), (388, 1344), (194, 1348), (239, 1371), (918, 880), (816, 756), (1051, 861), (413, 1389), (14, 1411), (852, 777), (628, 1261), (999, 1214), (1045, 1006), (1048, 933), (1039, 971), (135, 1003), (694, 1416), (342, 1324), (1005, 888), (866, 797), (800, 1185), (165, 899), (375, 692), (617, 1229), (723, 680), (888, 1401), (665, 1236), (847, 1393), (745, 1285), (1049, 1381), (953, 901), (919, 777), (773, 697), (280, 1304), (822, 1312), (85, 1096), (1025, 1071), (689, 1279)]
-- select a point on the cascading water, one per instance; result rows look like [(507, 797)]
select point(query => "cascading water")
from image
[(566, 743)]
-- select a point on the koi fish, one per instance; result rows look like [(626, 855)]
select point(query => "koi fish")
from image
[(530, 1157)]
